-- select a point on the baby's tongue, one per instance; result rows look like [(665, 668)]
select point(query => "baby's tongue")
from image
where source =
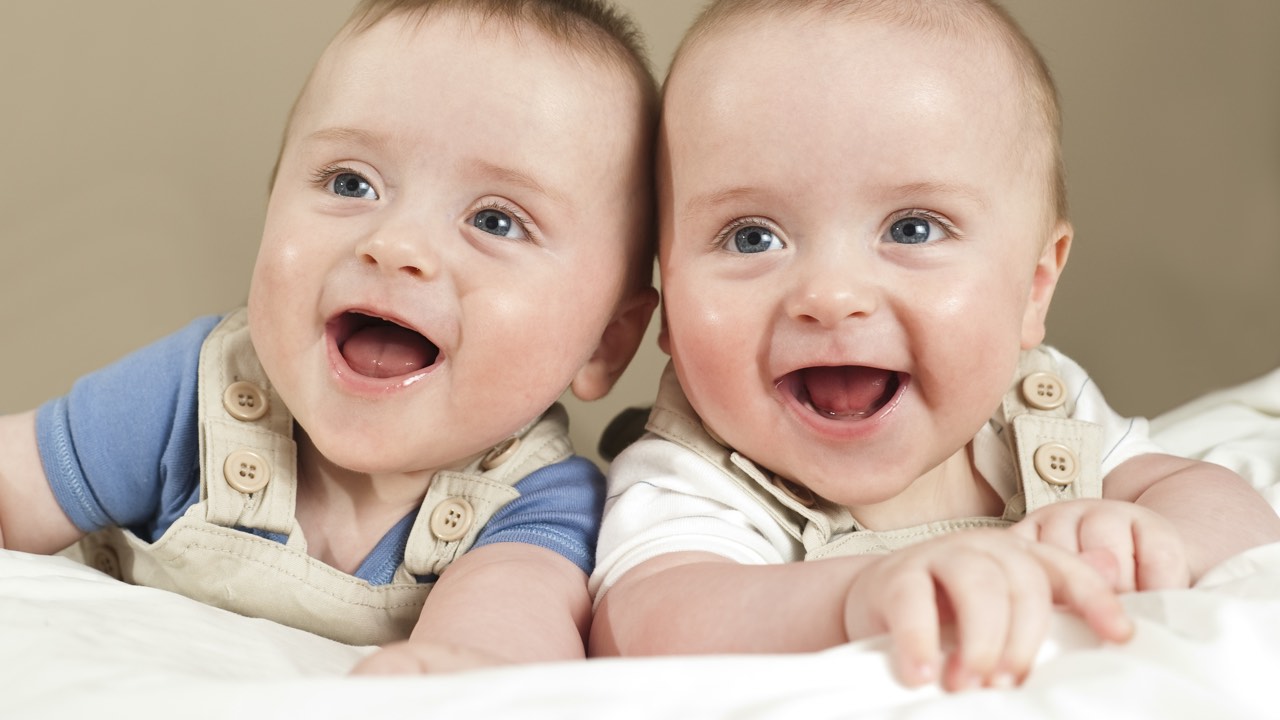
[(847, 391), (388, 350)]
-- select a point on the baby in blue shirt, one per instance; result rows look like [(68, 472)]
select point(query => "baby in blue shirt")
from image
[(458, 231)]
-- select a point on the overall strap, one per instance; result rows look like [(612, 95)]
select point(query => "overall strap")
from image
[(248, 455), (460, 502), (1058, 458)]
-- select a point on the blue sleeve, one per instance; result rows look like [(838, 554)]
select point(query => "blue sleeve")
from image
[(559, 509), (122, 448)]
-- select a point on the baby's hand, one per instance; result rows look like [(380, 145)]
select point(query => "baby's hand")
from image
[(1141, 548), (410, 658), (995, 588)]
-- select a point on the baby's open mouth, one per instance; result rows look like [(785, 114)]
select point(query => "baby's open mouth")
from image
[(847, 392), (379, 348)]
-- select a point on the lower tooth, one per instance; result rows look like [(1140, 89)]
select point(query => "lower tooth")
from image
[(835, 415)]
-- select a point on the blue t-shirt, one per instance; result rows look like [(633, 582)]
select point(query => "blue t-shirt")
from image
[(122, 449)]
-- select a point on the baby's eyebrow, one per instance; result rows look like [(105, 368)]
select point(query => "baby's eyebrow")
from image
[(935, 189), (711, 200), (520, 178), (347, 135)]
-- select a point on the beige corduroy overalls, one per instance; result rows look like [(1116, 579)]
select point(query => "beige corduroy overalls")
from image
[(1056, 458), (248, 480)]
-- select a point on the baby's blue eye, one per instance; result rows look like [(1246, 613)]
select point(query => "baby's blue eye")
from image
[(352, 185), (754, 239), (913, 231), (498, 223)]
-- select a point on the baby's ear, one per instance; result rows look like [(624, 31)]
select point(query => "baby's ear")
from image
[(618, 344), (1048, 269)]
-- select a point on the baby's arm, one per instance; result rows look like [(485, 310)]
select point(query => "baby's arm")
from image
[(30, 518), (995, 589), (498, 604), (1165, 520)]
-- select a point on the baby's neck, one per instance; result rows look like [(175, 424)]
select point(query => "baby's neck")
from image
[(344, 514), (952, 490)]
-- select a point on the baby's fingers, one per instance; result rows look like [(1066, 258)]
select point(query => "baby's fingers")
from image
[(1112, 533), (1057, 526), (978, 592), (1085, 593), (911, 616), (1002, 604)]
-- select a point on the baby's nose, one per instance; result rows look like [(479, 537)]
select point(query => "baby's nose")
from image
[(829, 290), (400, 249)]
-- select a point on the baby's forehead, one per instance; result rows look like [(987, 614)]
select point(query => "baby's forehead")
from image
[(839, 93), (845, 55), (830, 25), (452, 103), (822, 53), (396, 49)]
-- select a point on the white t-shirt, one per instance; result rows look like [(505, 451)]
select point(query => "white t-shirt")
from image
[(665, 498)]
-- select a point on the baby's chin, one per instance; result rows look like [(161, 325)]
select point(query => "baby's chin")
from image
[(837, 475), (370, 453)]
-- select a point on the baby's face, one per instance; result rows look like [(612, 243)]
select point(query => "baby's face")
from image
[(852, 225), (446, 238)]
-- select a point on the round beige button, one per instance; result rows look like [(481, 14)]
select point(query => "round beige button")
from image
[(1056, 464), (1043, 391), (451, 519), (245, 401), (500, 453), (799, 493), (107, 561), (246, 471)]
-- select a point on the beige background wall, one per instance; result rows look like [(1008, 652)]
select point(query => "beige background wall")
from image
[(138, 136)]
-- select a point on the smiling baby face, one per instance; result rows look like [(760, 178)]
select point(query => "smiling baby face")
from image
[(856, 243), (448, 236)]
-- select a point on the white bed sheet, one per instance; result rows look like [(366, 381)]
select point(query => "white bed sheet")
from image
[(75, 643)]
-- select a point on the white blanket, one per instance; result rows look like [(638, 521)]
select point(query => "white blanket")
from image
[(75, 643)]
